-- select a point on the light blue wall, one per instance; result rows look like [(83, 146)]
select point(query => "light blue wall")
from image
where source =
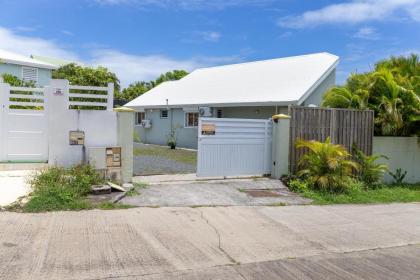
[(316, 97), (187, 137), (44, 75)]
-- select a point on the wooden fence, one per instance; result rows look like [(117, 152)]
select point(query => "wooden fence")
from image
[(344, 126)]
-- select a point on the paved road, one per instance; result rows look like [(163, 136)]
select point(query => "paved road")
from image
[(296, 242)]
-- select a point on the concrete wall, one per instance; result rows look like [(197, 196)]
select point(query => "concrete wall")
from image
[(44, 75), (100, 127), (316, 97), (403, 152)]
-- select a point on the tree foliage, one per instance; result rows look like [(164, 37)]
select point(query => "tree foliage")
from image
[(391, 90), (138, 88), (16, 82), (87, 76)]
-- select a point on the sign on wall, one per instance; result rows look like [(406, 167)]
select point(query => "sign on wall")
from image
[(208, 129)]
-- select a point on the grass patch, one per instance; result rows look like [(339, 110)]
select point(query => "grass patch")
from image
[(359, 195), (112, 206), (135, 190), (60, 189), (178, 155)]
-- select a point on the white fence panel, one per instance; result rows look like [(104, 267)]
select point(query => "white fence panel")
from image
[(23, 125), (237, 147)]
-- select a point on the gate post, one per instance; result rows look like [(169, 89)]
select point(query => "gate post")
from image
[(280, 150)]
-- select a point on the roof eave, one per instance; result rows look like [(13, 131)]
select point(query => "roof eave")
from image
[(29, 64), (220, 105)]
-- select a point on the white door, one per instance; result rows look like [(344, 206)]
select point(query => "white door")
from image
[(24, 132), (233, 147)]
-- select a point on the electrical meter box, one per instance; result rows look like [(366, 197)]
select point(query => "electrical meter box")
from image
[(113, 157)]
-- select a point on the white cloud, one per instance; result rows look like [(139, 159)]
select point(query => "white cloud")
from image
[(367, 33), (128, 67), (211, 36), (187, 4), (353, 12), (131, 68), (27, 45)]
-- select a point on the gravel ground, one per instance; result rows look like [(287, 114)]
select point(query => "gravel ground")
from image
[(150, 165)]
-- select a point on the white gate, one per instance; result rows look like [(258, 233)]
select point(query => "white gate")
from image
[(233, 147), (23, 124)]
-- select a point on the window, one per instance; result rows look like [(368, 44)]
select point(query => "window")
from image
[(191, 119), (140, 116), (30, 74), (219, 113), (163, 114)]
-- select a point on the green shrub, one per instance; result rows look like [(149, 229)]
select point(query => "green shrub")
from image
[(370, 172), (326, 167), (298, 186), (398, 176), (56, 188)]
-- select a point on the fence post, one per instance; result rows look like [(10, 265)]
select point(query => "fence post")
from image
[(59, 125), (125, 128), (110, 104), (280, 150), (4, 98)]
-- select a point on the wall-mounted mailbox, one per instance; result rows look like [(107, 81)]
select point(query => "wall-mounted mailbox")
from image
[(77, 137), (113, 157)]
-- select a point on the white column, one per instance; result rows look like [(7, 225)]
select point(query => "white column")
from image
[(125, 118), (60, 123), (280, 150), (4, 102), (110, 104)]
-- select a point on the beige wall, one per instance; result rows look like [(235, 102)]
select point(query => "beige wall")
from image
[(403, 152)]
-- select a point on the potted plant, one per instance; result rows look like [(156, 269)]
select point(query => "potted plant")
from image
[(172, 138)]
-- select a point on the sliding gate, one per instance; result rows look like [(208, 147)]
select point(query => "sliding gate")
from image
[(233, 147), (23, 124)]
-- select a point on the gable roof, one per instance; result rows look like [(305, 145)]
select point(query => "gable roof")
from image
[(13, 58), (281, 81)]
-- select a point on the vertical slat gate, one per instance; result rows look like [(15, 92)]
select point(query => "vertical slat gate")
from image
[(344, 126)]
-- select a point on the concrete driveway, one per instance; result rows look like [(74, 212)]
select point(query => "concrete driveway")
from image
[(13, 184), (169, 191), (293, 242)]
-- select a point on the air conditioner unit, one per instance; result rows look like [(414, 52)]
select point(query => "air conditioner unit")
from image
[(146, 123), (205, 111)]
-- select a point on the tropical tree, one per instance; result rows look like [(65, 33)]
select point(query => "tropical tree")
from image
[(391, 90), (87, 76), (136, 89), (326, 166), (370, 172)]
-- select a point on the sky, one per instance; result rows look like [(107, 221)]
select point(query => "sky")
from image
[(140, 39)]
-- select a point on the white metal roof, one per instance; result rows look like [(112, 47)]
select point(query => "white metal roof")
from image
[(280, 81), (13, 58)]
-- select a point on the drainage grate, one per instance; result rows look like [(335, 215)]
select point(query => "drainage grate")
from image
[(262, 193)]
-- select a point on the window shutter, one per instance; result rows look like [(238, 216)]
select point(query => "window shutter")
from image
[(30, 74)]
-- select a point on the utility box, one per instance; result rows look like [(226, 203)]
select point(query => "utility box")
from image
[(113, 157), (106, 160)]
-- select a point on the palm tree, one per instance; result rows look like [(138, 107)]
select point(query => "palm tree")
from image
[(327, 166)]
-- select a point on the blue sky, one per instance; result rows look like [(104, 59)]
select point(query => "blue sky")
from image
[(139, 39)]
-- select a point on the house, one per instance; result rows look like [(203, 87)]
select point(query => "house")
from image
[(254, 90), (26, 68)]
